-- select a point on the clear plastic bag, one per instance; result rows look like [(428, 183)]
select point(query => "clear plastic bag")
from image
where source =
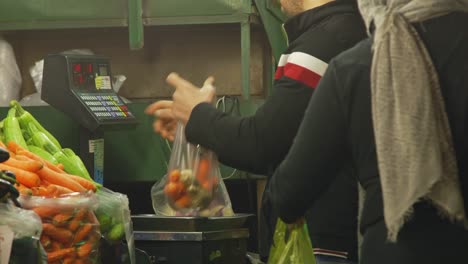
[(114, 217), (10, 76), (30, 223), (70, 229), (291, 246), (25, 247), (193, 185)]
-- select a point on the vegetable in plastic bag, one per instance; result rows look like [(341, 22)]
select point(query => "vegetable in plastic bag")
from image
[(291, 246), (114, 217), (26, 247), (193, 185), (70, 229)]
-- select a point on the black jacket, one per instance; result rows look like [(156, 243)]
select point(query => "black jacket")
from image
[(260, 142), (325, 143)]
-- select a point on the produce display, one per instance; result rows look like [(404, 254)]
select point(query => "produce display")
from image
[(70, 229), (26, 247), (39, 168)]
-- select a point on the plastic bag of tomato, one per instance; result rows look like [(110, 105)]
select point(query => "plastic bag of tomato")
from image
[(193, 185)]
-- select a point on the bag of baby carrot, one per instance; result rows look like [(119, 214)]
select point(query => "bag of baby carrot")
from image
[(70, 229)]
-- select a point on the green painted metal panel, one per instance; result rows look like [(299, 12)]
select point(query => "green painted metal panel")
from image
[(197, 20), (53, 14), (135, 24), (245, 59), (182, 8), (64, 10)]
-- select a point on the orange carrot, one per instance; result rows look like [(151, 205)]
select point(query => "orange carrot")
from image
[(183, 202), (45, 241), (82, 233), (69, 260), (83, 182), (31, 166), (60, 166), (23, 158), (57, 178), (74, 225), (46, 212), (40, 191), (62, 219), (59, 254), (61, 235), (82, 261), (84, 250), (28, 179), (76, 221), (55, 245), (37, 158), (14, 147), (57, 190)]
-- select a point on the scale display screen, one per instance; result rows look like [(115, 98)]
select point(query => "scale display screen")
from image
[(91, 76)]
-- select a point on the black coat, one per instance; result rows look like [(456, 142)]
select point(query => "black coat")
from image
[(337, 128), (259, 143)]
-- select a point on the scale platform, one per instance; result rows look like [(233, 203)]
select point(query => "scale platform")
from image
[(151, 222), (194, 240)]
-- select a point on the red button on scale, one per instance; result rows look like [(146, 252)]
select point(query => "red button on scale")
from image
[(124, 108)]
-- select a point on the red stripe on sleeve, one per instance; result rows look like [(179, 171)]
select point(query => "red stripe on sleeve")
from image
[(279, 72), (302, 75)]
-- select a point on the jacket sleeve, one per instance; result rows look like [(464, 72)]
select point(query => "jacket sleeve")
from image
[(316, 156), (257, 143)]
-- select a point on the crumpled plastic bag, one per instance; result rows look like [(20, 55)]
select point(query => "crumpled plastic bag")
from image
[(10, 75), (291, 246), (113, 214), (27, 227)]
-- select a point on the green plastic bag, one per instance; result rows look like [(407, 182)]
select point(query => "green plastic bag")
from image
[(291, 247)]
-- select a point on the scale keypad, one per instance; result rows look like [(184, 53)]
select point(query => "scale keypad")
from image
[(105, 106)]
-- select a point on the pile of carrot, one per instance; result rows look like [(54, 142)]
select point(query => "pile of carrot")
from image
[(69, 235), (39, 177)]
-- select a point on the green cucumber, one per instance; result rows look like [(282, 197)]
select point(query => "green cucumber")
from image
[(25, 118), (12, 129), (43, 154)]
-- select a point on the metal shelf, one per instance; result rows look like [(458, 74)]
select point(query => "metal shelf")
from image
[(135, 14)]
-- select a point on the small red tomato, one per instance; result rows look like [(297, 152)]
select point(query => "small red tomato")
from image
[(174, 176), (172, 190)]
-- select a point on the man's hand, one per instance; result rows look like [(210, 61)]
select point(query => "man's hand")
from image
[(186, 97), (165, 123)]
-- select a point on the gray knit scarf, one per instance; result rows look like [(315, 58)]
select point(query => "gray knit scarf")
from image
[(416, 158)]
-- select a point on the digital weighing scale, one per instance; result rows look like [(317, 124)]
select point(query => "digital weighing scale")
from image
[(81, 87), (194, 240)]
